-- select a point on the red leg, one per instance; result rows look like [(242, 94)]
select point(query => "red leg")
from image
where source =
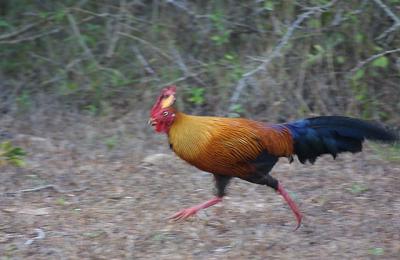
[(185, 213), (291, 204)]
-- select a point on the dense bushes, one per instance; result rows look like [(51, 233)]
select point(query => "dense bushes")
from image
[(313, 57)]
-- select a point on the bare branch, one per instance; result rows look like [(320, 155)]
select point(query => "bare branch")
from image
[(91, 13), (78, 35), (117, 28), (31, 38), (184, 68), (392, 28), (370, 59), (175, 81), (392, 15), (179, 61), (144, 62), (147, 44), (82, 43), (19, 31), (9, 38), (180, 6), (182, 78), (277, 50), (388, 11)]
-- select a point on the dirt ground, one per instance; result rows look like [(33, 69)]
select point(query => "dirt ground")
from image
[(78, 199)]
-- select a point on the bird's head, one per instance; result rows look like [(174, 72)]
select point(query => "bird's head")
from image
[(162, 114), (163, 119), (164, 100)]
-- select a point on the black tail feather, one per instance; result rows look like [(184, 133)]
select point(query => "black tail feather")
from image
[(334, 134)]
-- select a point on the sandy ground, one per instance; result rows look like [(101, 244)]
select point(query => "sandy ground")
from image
[(70, 203)]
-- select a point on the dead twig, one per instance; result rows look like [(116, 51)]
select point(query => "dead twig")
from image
[(43, 187), (276, 50), (40, 235), (370, 59), (50, 186)]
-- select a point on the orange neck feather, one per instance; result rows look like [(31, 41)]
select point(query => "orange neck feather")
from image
[(189, 135)]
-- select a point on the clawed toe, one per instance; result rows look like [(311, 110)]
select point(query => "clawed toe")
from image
[(183, 214)]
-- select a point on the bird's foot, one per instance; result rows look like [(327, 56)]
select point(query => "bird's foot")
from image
[(186, 213), (291, 204)]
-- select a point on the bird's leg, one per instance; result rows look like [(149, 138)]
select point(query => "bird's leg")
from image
[(291, 204), (273, 183), (220, 183)]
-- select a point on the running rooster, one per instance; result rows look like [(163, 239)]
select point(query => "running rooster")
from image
[(247, 149)]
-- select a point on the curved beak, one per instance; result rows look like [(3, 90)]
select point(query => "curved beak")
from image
[(151, 122)]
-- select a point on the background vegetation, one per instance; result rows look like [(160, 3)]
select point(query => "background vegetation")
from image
[(270, 59)]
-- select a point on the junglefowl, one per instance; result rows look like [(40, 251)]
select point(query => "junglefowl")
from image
[(247, 149)]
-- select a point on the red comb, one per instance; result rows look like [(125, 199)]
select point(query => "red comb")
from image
[(166, 91)]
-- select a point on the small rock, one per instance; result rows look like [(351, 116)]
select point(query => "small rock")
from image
[(158, 158)]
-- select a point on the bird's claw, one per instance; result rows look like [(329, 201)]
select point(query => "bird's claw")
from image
[(186, 213), (299, 218), (183, 214)]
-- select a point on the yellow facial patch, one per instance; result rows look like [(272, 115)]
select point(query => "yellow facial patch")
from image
[(168, 101)]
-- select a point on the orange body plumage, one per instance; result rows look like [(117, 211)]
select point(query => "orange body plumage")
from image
[(226, 146)]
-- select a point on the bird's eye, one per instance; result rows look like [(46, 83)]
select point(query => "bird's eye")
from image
[(165, 113)]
